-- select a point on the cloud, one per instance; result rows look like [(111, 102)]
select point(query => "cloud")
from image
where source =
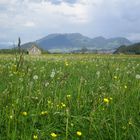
[(29, 24), (57, 2), (4, 2), (32, 19), (44, 15), (113, 18)]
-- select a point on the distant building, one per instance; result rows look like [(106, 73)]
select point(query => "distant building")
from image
[(34, 50)]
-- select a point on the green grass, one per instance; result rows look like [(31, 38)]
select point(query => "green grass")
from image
[(97, 95)]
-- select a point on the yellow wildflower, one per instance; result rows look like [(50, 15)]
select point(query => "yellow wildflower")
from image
[(68, 96), (49, 102), (130, 122), (63, 105), (79, 133), (24, 113), (66, 63), (14, 67), (44, 113), (35, 137), (53, 135), (11, 117), (115, 77), (106, 100), (125, 87)]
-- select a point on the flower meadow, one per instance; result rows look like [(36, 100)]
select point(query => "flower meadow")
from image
[(70, 97)]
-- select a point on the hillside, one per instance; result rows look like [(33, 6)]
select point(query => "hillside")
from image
[(64, 41), (76, 41), (131, 49)]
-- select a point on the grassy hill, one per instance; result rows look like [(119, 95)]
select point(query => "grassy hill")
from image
[(131, 49)]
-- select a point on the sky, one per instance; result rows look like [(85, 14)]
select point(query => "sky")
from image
[(34, 19)]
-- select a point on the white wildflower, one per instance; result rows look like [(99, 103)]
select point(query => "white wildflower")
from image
[(98, 74), (11, 75), (35, 77), (21, 79), (52, 74), (137, 76), (46, 84)]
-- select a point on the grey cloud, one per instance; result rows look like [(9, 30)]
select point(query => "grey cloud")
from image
[(117, 18), (3, 8), (55, 1), (109, 18), (60, 1), (131, 14)]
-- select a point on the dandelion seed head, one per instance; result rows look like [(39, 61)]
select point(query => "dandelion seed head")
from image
[(46, 84), (137, 76), (98, 74), (123, 127), (35, 77), (52, 74)]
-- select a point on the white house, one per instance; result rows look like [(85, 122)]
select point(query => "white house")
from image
[(34, 50)]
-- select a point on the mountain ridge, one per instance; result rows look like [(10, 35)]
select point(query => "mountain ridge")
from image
[(75, 41)]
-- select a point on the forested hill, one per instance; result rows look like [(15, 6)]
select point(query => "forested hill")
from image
[(131, 49)]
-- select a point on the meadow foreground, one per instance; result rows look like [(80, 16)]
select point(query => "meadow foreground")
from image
[(70, 97)]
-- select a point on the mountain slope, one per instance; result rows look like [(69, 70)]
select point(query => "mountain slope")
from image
[(63, 41), (131, 49), (76, 41)]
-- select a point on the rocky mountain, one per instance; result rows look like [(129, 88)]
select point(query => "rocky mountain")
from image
[(76, 41)]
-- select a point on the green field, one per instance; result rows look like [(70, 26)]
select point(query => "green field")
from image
[(70, 97)]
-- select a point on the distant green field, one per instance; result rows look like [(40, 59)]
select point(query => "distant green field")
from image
[(70, 97)]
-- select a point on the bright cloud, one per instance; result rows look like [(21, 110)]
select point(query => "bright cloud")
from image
[(29, 24)]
